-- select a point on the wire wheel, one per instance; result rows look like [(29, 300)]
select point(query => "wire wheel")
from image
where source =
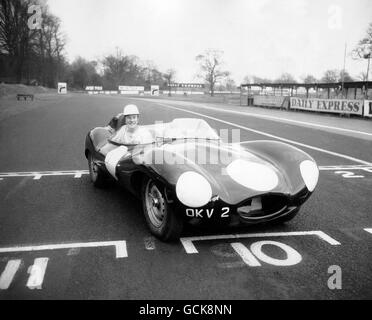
[(160, 216), (155, 204)]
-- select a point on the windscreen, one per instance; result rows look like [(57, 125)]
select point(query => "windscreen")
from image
[(190, 128)]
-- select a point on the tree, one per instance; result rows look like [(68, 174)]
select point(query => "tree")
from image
[(210, 63), (345, 76), (364, 46), (330, 76), (83, 73), (169, 76), (30, 53), (363, 50), (254, 79), (286, 78), (309, 79), (117, 69), (230, 85)]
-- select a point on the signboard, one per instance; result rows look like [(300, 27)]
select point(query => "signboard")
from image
[(62, 87), (367, 108), (131, 88), (93, 88), (129, 92), (154, 90), (187, 85), (268, 101), (328, 105)]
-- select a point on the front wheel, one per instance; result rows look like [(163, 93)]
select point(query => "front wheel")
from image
[(160, 216)]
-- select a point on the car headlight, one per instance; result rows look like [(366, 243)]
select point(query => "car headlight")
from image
[(310, 174), (252, 175), (193, 190)]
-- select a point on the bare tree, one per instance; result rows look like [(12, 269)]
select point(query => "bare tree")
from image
[(230, 84), (254, 79), (170, 75), (345, 76), (210, 63), (27, 52), (364, 46), (363, 49), (330, 76), (309, 79), (286, 78)]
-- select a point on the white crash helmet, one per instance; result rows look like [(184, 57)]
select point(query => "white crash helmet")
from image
[(130, 109)]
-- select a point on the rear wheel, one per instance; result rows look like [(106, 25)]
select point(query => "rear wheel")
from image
[(96, 175), (160, 216)]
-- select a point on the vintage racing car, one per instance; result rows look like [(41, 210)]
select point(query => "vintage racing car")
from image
[(189, 174)]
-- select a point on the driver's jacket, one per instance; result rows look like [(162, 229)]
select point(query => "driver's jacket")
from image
[(140, 136)]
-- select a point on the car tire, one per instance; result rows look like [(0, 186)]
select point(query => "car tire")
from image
[(160, 216), (96, 175)]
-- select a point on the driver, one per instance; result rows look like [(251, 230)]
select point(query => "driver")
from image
[(131, 132)]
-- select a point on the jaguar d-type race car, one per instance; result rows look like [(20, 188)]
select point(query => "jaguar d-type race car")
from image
[(189, 174)]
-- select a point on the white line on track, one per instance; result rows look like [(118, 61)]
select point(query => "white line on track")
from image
[(368, 230), (120, 246), (271, 135), (37, 273), (345, 167), (190, 247), (38, 174), (8, 274)]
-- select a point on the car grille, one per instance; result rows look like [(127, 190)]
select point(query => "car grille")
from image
[(271, 206)]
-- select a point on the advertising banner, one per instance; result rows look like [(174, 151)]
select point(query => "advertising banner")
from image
[(328, 105), (62, 87), (187, 85), (268, 101), (131, 88), (368, 108)]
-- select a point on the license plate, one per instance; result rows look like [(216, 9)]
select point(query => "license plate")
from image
[(208, 213)]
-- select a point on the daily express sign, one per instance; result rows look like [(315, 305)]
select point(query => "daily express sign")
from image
[(329, 105)]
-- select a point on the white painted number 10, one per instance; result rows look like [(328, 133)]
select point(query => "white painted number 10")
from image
[(250, 257)]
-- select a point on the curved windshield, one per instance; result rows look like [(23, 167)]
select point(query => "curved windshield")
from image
[(189, 128), (180, 128)]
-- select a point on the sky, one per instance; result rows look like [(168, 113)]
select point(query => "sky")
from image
[(264, 37)]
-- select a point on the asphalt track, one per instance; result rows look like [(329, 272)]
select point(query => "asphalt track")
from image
[(60, 238)]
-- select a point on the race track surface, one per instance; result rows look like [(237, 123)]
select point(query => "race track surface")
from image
[(61, 238)]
